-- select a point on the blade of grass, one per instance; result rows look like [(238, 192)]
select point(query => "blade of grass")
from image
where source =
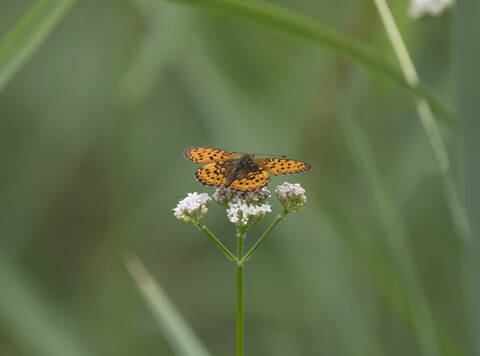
[(397, 237), (466, 55), (175, 328), (21, 42), (160, 41), (35, 326), (381, 271), (283, 21), (427, 119)]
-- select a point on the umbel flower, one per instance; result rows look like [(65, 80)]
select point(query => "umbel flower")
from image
[(225, 195), (243, 214), (291, 196), (420, 8), (244, 209), (193, 208)]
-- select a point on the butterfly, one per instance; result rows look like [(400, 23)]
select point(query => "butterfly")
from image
[(239, 171)]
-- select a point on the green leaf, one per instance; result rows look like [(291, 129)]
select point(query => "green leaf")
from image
[(21, 42), (175, 328), (283, 21)]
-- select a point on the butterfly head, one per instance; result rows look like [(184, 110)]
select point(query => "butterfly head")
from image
[(246, 161)]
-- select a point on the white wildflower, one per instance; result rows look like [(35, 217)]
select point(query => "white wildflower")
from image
[(292, 196), (193, 208), (242, 214), (244, 208), (224, 195), (420, 8)]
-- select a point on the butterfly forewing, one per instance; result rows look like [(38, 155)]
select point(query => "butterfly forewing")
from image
[(281, 166), (206, 155)]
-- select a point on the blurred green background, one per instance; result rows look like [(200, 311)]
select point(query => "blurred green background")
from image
[(92, 130)]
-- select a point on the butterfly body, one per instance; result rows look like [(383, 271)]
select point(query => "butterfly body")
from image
[(239, 168), (242, 172)]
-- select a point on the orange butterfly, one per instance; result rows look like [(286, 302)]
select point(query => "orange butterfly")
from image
[(237, 171)]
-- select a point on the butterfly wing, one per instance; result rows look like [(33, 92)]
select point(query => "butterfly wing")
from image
[(253, 180), (206, 155), (211, 174), (281, 166)]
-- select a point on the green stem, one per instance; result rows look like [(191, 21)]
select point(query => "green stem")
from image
[(265, 234), (28, 34), (426, 116), (225, 250), (280, 20), (240, 315), (430, 126)]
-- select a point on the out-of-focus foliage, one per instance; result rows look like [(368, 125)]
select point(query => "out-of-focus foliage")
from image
[(92, 130)]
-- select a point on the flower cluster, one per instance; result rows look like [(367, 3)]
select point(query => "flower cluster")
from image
[(291, 196), (225, 195), (244, 208), (420, 8), (243, 214), (193, 208)]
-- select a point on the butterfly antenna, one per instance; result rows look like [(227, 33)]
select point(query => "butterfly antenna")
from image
[(269, 155)]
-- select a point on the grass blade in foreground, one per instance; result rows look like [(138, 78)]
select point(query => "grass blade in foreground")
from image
[(23, 39), (429, 124), (466, 56), (176, 330), (396, 237), (31, 321), (284, 21)]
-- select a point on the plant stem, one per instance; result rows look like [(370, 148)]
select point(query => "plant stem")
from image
[(225, 250), (426, 116), (283, 21), (240, 315), (432, 131), (265, 234)]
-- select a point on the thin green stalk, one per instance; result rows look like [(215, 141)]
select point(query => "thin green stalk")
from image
[(265, 234), (427, 119), (175, 328), (397, 238), (426, 116), (283, 21), (240, 315), (26, 36), (225, 250)]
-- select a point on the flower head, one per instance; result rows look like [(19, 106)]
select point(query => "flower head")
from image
[(224, 195), (193, 208), (420, 8), (291, 196), (243, 214), (244, 208)]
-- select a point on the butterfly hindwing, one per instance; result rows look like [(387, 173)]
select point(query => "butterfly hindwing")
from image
[(281, 166), (206, 155), (211, 174), (254, 180)]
